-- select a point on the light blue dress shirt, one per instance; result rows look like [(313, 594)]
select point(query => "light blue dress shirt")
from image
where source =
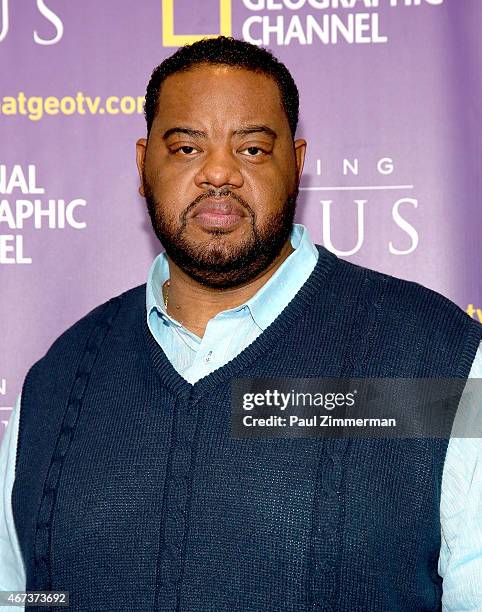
[(226, 335)]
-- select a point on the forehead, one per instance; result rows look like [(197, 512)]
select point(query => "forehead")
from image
[(219, 94)]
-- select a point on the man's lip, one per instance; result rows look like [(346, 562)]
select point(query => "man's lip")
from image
[(218, 206)]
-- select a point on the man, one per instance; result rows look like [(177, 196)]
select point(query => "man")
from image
[(130, 491)]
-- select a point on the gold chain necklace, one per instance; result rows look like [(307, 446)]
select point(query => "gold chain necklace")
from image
[(165, 292)]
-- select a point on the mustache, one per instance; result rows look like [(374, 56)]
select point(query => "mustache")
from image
[(217, 192)]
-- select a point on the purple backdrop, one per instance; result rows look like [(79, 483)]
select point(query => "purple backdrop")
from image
[(390, 107)]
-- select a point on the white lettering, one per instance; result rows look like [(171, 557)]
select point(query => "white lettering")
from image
[(352, 167), (55, 212), (347, 31), (24, 210), (294, 5), (319, 4), (16, 179), (377, 38), (404, 225), (247, 36), (254, 5), (327, 242), (295, 30), (49, 212), (277, 29), (6, 215), (54, 20), (17, 250), (385, 166), (323, 33), (360, 28), (69, 213), (4, 30)]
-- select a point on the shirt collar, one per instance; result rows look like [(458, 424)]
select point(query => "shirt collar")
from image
[(267, 303)]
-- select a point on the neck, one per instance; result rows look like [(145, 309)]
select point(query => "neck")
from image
[(193, 304)]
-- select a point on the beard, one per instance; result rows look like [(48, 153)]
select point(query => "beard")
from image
[(217, 263)]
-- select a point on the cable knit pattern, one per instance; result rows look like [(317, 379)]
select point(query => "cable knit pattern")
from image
[(132, 494), (44, 519)]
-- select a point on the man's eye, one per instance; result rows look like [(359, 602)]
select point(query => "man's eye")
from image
[(186, 150), (253, 151)]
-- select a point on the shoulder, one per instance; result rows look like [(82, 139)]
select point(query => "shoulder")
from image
[(406, 323), (86, 333), (102, 315), (406, 299)]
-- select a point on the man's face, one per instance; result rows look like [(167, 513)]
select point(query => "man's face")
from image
[(220, 173)]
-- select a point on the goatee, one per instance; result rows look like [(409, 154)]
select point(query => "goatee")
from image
[(214, 263)]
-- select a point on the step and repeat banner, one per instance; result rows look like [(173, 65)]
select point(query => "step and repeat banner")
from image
[(390, 105)]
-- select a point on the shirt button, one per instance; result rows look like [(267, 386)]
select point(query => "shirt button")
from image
[(208, 357)]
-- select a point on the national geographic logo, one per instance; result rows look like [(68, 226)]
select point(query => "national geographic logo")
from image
[(285, 22), (169, 39)]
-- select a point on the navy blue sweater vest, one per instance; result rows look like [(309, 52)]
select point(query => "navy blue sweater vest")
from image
[(131, 493)]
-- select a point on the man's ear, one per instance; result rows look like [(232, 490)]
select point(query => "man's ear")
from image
[(300, 151), (141, 147)]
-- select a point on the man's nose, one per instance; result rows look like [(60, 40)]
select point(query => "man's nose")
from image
[(220, 167)]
